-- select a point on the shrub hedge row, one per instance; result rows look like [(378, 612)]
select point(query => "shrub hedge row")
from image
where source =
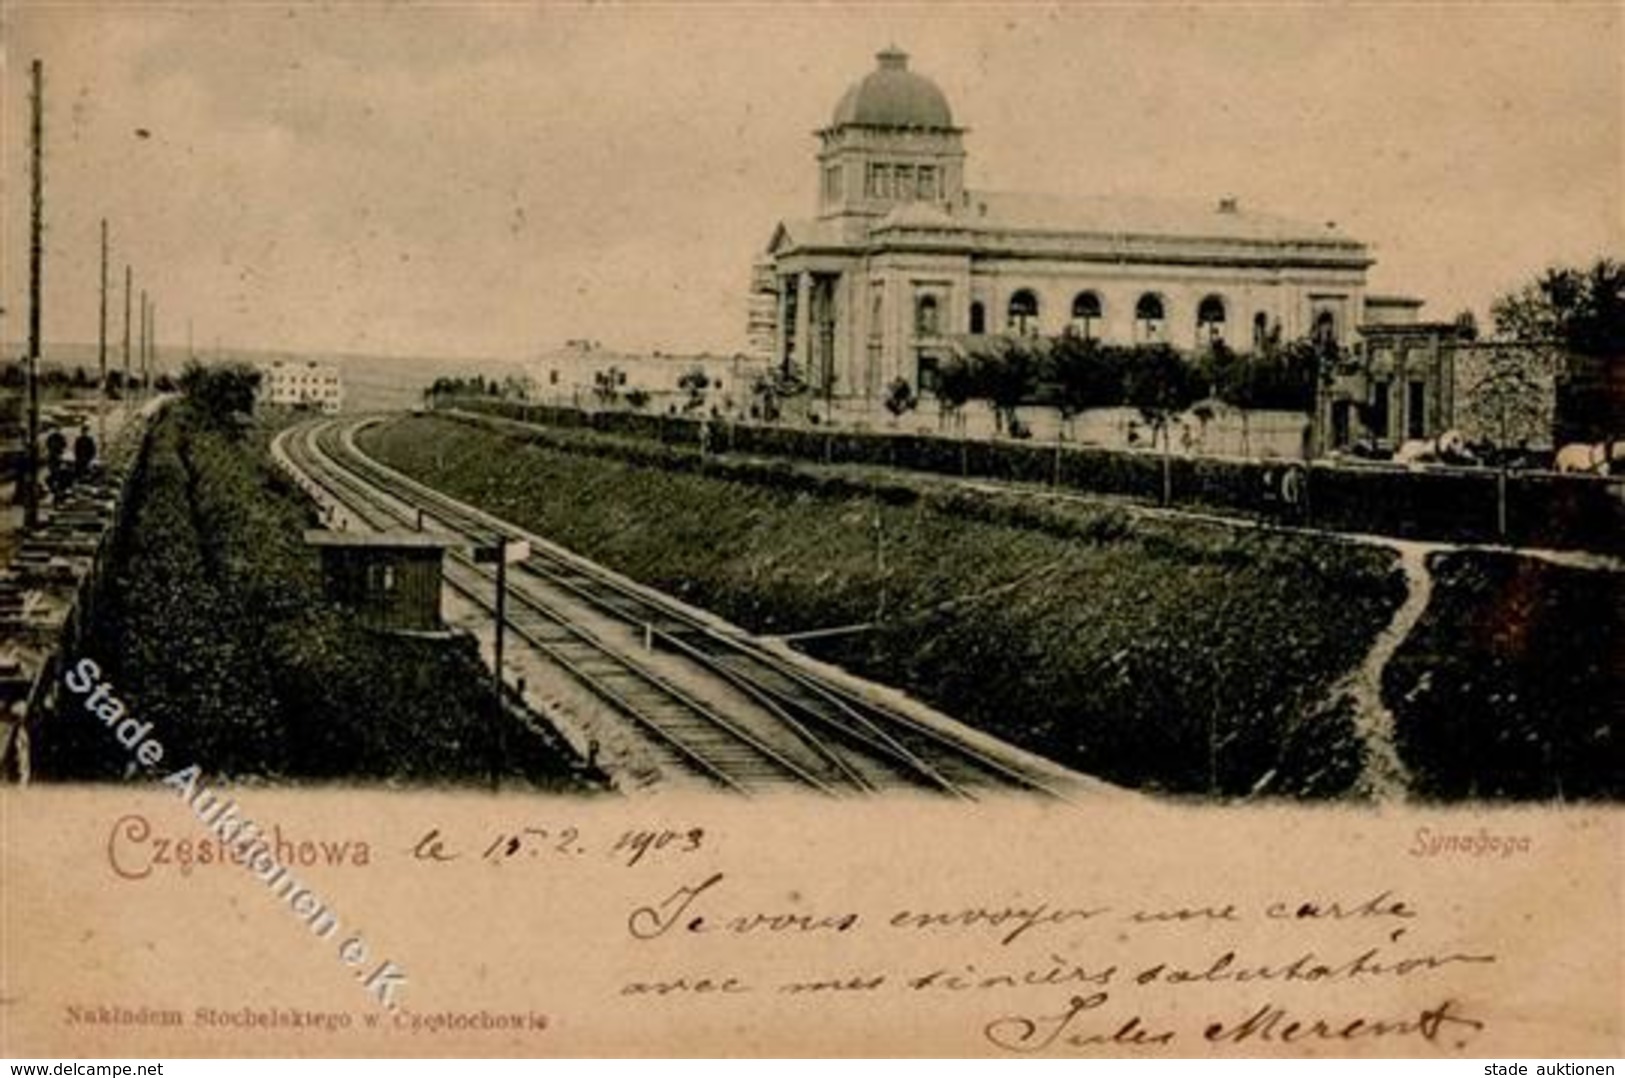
[(1541, 509), (215, 630)]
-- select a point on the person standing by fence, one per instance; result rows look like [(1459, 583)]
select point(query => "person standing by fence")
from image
[(84, 453)]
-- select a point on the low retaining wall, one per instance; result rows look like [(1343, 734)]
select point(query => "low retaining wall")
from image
[(50, 588)]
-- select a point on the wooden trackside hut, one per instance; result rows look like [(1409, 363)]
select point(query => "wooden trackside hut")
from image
[(391, 580)]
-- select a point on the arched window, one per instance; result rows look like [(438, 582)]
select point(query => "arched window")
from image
[(1023, 313), (927, 320), (1261, 329), (1210, 318), (1085, 313), (1148, 316), (1326, 328), (978, 318)]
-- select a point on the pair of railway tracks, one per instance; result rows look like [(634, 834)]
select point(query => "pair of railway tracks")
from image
[(796, 728)]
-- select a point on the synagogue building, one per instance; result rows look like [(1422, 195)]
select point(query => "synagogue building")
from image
[(902, 257)]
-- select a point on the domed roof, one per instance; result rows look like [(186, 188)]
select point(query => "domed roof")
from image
[(893, 96)]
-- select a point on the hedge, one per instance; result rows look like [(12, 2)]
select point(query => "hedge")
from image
[(1461, 505)]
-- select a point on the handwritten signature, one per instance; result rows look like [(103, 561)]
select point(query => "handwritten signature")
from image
[(1071, 1028)]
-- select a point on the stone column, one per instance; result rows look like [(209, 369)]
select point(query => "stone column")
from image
[(780, 336), (803, 343)]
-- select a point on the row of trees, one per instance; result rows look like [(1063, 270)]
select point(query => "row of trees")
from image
[(220, 396), (511, 387), (1581, 309), (1074, 374), (14, 375)]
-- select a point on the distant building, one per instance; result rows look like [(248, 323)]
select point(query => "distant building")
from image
[(291, 384), (902, 256), (584, 372), (1416, 380), (762, 307), (1383, 311)]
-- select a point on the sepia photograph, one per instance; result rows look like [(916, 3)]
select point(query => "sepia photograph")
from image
[(836, 530)]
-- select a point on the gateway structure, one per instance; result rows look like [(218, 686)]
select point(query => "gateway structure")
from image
[(902, 257)]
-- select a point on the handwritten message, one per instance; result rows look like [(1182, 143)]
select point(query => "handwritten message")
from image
[(1063, 974)]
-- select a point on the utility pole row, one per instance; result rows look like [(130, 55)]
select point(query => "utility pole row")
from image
[(146, 345)]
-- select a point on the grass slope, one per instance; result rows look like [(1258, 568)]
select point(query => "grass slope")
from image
[(1159, 655), (1513, 683)]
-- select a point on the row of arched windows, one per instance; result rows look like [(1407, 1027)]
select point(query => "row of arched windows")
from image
[(1150, 317), (1150, 313)]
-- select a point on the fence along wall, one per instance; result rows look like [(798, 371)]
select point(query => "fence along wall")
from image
[(1453, 505)]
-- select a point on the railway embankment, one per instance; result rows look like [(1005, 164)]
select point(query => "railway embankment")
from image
[(1166, 650), (215, 629), (1156, 654)]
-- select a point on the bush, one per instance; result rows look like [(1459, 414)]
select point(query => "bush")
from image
[(215, 629)]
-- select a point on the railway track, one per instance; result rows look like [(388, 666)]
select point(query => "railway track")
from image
[(800, 728), (696, 736)]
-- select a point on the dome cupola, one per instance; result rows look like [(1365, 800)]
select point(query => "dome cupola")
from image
[(892, 141), (893, 96)]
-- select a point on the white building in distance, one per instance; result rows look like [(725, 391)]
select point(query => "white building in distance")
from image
[(585, 373), (293, 384)]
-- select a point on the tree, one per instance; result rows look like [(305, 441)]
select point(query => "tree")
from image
[(1161, 384), (1004, 372), (900, 398), (1235, 378), (771, 389), (1086, 374), (606, 384), (220, 394), (694, 382), (1287, 376), (1509, 400), (1584, 310), (1230, 375), (1508, 403), (955, 385)]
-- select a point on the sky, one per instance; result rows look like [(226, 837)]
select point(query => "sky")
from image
[(489, 180)]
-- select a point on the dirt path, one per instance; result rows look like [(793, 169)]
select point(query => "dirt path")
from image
[(1384, 776)]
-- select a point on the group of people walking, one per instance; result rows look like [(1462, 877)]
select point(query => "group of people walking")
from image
[(61, 471)]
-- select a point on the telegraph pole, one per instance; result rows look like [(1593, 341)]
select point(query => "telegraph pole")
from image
[(124, 391), (152, 348), (30, 476), (101, 349), (142, 344)]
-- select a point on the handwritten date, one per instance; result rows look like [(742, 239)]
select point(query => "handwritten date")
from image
[(527, 843)]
